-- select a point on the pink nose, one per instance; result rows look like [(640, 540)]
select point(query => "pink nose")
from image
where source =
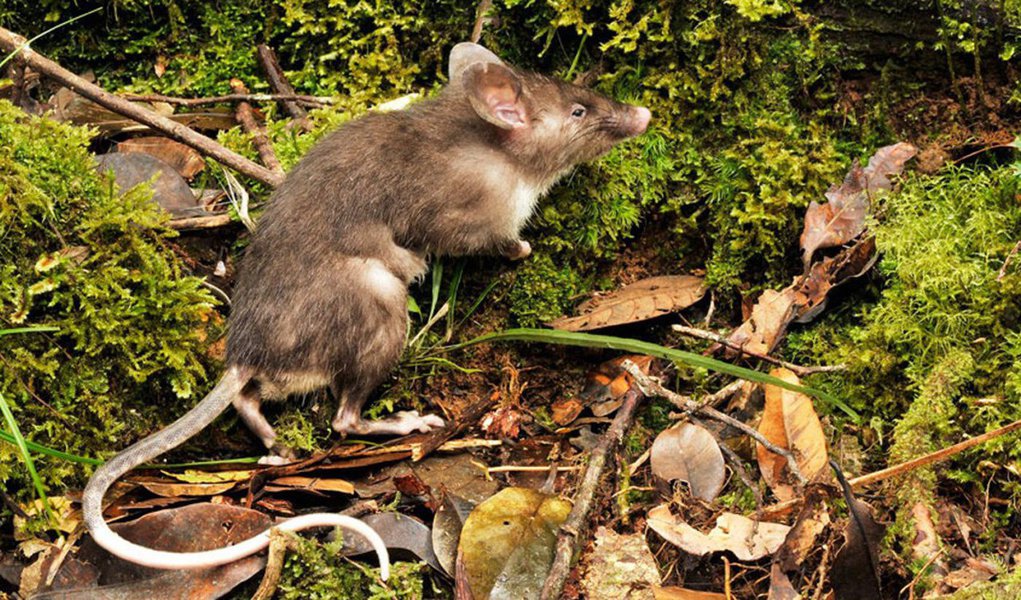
[(641, 119)]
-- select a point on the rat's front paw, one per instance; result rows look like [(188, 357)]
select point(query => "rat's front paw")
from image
[(517, 250)]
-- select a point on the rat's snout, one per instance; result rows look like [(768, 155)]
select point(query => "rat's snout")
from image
[(640, 117)]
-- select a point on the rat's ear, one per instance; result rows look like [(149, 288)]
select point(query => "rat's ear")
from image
[(495, 94), (465, 55)]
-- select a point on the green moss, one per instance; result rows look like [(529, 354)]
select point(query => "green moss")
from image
[(314, 570), (542, 290), (79, 255)]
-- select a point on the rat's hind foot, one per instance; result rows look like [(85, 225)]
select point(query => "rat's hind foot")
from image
[(401, 423)]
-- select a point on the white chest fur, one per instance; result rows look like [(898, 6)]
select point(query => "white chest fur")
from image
[(523, 200)]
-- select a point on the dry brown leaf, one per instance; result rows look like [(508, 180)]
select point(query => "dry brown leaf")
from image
[(813, 519), (745, 538), (678, 593), (169, 190), (642, 300), (620, 566), (789, 420), (606, 385), (811, 290), (315, 484), (175, 488), (184, 159), (780, 587), (855, 571), (843, 218), (566, 410), (770, 317), (690, 453)]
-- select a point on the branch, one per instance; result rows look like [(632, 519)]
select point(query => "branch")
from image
[(278, 81), (910, 465), (480, 19), (245, 115), (798, 370), (567, 541), (10, 42), (229, 98)]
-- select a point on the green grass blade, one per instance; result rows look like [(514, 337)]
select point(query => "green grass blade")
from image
[(6, 436), (590, 340), (32, 329), (19, 441), (45, 33)]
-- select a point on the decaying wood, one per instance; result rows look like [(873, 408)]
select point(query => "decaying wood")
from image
[(204, 222), (313, 101), (245, 115), (278, 81), (570, 531), (11, 42)]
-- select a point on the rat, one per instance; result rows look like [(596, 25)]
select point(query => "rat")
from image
[(321, 298)]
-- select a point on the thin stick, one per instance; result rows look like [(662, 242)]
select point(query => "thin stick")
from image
[(204, 222), (279, 543), (530, 468), (1006, 262), (798, 370), (245, 115), (480, 20), (651, 387), (910, 465), (10, 42), (231, 98), (567, 540), (278, 81)]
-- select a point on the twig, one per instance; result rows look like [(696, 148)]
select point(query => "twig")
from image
[(10, 42), (530, 468), (245, 116), (468, 417), (480, 20), (231, 98), (651, 387), (278, 81), (722, 394), (798, 370), (279, 543), (910, 465), (203, 222), (570, 531), (1006, 262)]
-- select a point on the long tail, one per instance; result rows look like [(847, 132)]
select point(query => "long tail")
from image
[(194, 421)]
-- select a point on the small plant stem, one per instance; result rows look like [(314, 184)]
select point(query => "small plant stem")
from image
[(1006, 261), (570, 531), (798, 370), (651, 387)]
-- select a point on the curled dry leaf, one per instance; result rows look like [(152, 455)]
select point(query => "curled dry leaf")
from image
[(399, 532), (642, 300), (620, 566), (765, 328), (843, 218), (745, 538), (507, 544), (174, 488), (447, 525), (855, 572), (184, 159), (789, 420), (690, 453)]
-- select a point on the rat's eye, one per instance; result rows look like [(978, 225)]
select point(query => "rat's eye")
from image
[(578, 112)]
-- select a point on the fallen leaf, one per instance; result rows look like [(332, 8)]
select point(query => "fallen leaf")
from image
[(780, 587), (812, 290), (855, 572), (640, 301), (566, 410), (677, 593), (173, 488), (620, 566), (926, 546), (447, 525), (843, 218), (812, 520), (765, 328), (191, 528), (399, 532), (974, 570), (170, 190), (312, 484), (184, 159), (606, 385), (789, 420), (197, 476), (508, 541), (745, 538), (690, 453)]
